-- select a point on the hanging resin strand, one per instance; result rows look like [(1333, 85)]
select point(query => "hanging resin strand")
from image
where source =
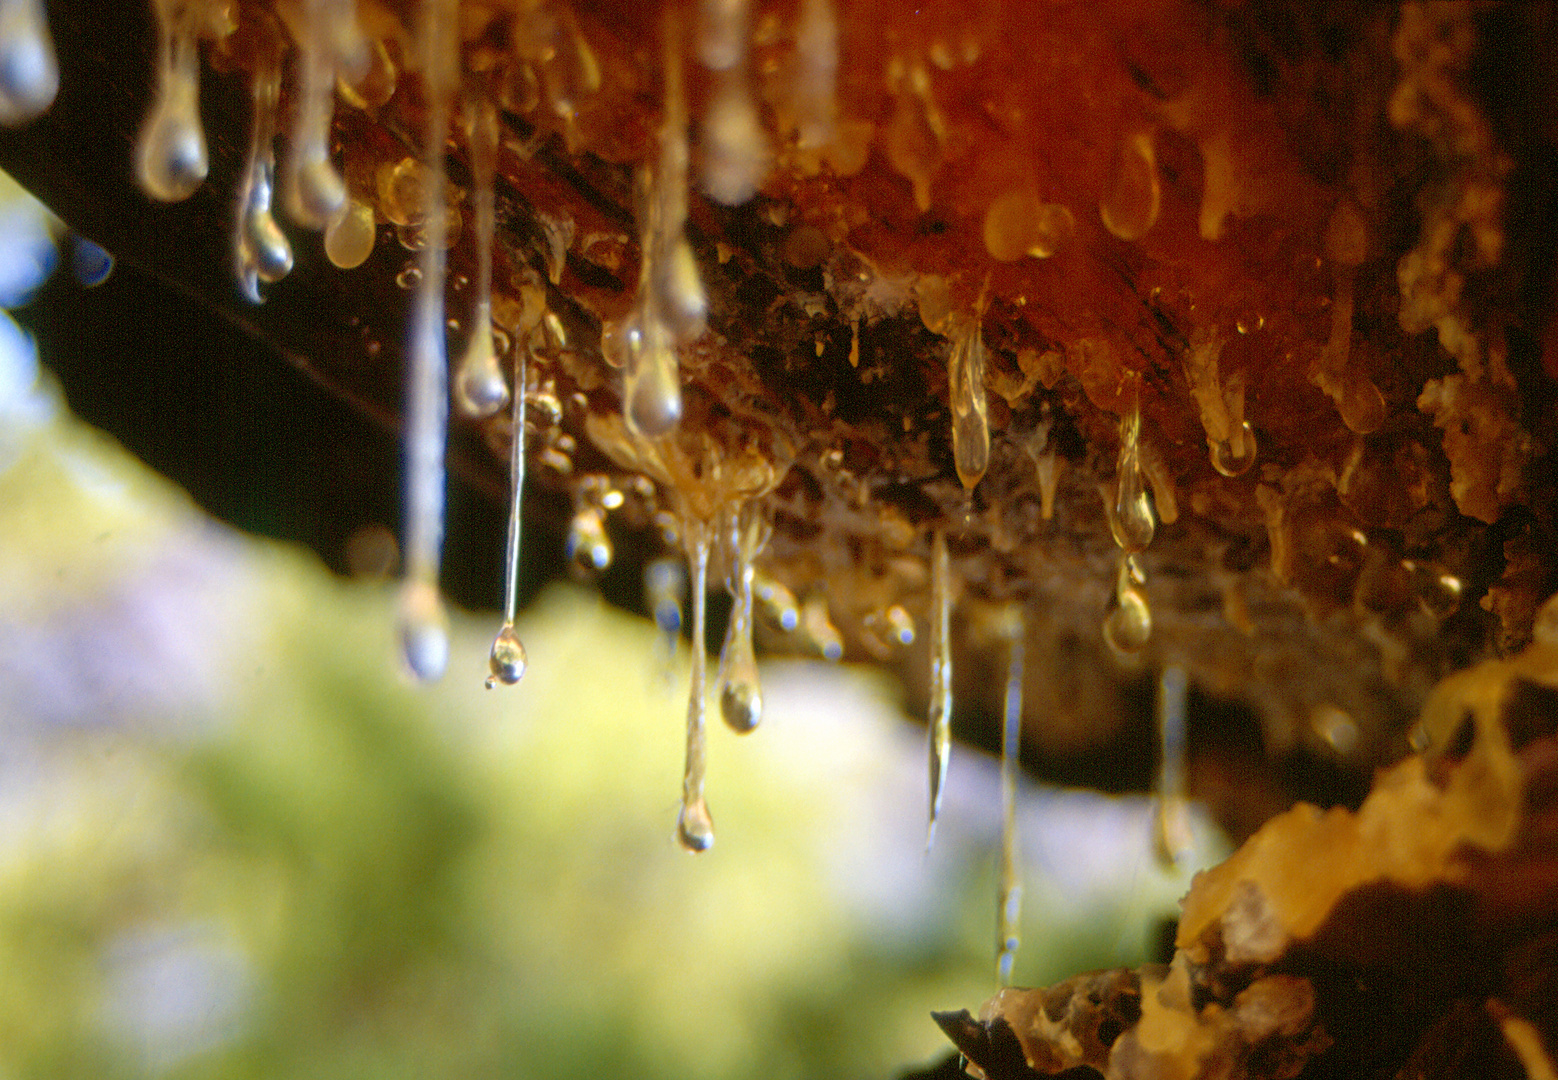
[(671, 306), (170, 158), (694, 826), (1009, 899), (1133, 521), (261, 250), (480, 389), (507, 660), (939, 734), (970, 415), (423, 623), (29, 72), (1171, 833), (740, 693), (313, 191)]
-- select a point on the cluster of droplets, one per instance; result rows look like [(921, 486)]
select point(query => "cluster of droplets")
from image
[(1128, 624)]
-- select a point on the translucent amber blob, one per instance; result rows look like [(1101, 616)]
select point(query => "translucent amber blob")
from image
[(1133, 195), (507, 661), (350, 236), (29, 72), (1018, 224), (970, 409)]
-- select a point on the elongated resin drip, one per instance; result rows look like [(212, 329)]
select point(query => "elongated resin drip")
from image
[(940, 721), (170, 157), (424, 631), (665, 585), (261, 250), (29, 72), (1171, 835), (694, 826), (740, 693), (479, 386), (735, 146), (970, 415), (1128, 625), (507, 660), (1131, 203), (671, 307), (816, 81), (1133, 521), (1009, 898), (313, 191)]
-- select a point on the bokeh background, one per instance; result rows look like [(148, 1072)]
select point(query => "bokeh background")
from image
[(235, 841)]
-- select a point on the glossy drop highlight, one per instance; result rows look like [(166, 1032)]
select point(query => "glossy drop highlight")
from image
[(1128, 625), (588, 548), (170, 159), (507, 660), (1133, 521), (350, 236), (262, 250)]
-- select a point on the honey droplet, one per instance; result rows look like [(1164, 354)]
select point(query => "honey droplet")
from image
[(1133, 521), (480, 387), (588, 548), (29, 71), (507, 660), (652, 384), (694, 826), (740, 695), (1437, 592), (777, 602), (970, 415), (350, 236), (261, 250), (313, 191), (90, 263), (939, 726), (1018, 224), (1230, 460), (1133, 196), (1172, 836), (171, 148), (1128, 625), (424, 629)]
